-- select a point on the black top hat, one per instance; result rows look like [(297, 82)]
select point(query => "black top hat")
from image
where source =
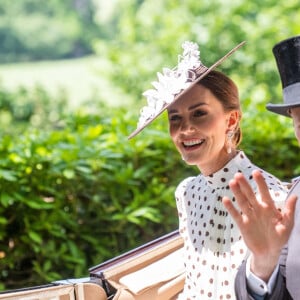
[(287, 55)]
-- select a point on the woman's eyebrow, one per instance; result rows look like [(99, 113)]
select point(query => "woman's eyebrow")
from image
[(196, 105), (174, 111)]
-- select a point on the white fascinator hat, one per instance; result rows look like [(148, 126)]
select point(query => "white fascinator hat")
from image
[(172, 83)]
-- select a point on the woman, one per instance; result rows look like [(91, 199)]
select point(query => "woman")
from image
[(204, 124)]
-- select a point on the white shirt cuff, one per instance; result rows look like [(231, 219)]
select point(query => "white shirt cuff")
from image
[(257, 285)]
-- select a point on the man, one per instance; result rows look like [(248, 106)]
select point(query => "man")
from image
[(273, 269)]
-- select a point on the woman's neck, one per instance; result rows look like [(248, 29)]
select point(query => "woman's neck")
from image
[(218, 164)]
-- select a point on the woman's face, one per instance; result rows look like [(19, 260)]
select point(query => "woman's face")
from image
[(198, 125), (295, 114)]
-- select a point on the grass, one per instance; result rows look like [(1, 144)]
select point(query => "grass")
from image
[(81, 79)]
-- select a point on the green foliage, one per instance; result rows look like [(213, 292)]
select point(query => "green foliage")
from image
[(23, 107), (54, 29), (73, 197), (269, 140)]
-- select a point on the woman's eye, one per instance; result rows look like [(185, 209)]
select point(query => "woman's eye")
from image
[(174, 118), (199, 113)]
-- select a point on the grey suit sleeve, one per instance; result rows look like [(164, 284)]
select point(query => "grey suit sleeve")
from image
[(279, 292), (240, 285)]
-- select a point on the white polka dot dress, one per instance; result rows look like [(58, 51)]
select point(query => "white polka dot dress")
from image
[(213, 245)]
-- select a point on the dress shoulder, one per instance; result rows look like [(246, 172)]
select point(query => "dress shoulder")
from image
[(183, 185), (180, 192)]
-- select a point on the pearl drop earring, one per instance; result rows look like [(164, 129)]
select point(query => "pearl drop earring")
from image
[(229, 141)]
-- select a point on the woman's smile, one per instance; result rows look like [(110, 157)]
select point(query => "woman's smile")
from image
[(192, 142)]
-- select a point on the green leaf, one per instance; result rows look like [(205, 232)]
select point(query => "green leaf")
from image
[(8, 175), (69, 173), (34, 236)]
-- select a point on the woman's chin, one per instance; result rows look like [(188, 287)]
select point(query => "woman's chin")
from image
[(189, 161)]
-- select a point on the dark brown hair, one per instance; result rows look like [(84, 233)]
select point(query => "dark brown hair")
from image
[(226, 91)]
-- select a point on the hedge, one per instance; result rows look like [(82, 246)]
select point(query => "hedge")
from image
[(73, 197)]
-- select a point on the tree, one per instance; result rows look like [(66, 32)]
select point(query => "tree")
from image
[(54, 29)]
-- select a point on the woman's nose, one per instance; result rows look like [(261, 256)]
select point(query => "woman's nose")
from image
[(186, 125)]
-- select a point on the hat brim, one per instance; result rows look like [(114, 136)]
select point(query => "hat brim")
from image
[(281, 109), (202, 75)]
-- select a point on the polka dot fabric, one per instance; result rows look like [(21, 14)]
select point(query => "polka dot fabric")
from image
[(213, 245)]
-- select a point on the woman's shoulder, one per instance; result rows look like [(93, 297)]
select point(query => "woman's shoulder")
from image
[(184, 184), (277, 188), (270, 178)]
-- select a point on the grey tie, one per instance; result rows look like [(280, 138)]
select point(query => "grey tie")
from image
[(293, 257)]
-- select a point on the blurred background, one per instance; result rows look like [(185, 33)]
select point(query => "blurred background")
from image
[(74, 191)]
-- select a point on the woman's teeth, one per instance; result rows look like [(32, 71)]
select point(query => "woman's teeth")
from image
[(192, 143)]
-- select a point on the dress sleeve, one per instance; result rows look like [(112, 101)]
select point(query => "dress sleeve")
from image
[(180, 193)]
